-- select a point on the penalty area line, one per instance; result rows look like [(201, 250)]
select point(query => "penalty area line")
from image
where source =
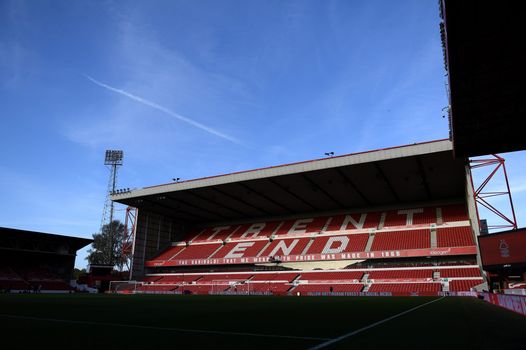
[(169, 329), (350, 334)]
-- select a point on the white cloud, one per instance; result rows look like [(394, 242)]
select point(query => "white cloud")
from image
[(164, 110)]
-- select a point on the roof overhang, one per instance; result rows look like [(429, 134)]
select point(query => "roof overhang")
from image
[(406, 174), (485, 54), (7, 233)]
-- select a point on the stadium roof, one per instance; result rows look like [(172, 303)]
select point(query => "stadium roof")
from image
[(485, 55), (9, 236), (405, 174)]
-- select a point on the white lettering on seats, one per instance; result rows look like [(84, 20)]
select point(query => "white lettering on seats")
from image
[(341, 241), (349, 219), (282, 245), (409, 214), (254, 230), (239, 250), (300, 226), (216, 230)]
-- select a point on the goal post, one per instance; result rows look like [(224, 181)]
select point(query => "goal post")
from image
[(124, 287)]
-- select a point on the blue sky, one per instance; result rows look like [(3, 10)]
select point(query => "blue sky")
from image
[(196, 88)]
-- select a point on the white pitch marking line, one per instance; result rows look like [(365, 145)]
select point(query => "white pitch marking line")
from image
[(350, 334), (162, 328)]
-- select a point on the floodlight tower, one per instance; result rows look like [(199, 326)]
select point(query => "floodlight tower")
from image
[(112, 160)]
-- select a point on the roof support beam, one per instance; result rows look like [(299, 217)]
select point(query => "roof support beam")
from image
[(327, 194), (177, 200), (240, 200), (353, 185), (422, 173), (386, 180), (221, 205), (171, 211), (274, 182), (248, 188)]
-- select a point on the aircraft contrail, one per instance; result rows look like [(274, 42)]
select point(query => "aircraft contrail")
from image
[(164, 109)]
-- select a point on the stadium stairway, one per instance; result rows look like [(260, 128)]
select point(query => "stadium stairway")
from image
[(370, 241)]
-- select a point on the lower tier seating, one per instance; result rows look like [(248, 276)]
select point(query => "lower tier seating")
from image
[(331, 276), (403, 280), (326, 288), (463, 285), (400, 274), (405, 287)]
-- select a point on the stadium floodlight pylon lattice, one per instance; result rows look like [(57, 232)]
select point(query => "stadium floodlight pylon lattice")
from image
[(113, 159)]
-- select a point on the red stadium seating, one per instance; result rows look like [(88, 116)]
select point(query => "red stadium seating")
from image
[(455, 237), (224, 278), (460, 272), (298, 248), (405, 287), (400, 274), (169, 253), (357, 243), (287, 276), (419, 216), (261, 287), (331, 276), (396, 240), (326, 288), (173, 279), (452, 213), (198, 251), (204, 288), (246, 251), (155, 288), (463, 285)]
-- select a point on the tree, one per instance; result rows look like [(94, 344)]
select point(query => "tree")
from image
[(77, 273), (107, 245)]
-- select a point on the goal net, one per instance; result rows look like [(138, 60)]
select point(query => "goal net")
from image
[(124, 287)]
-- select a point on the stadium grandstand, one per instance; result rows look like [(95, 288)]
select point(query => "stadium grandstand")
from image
[(37, 262), (396, 221)]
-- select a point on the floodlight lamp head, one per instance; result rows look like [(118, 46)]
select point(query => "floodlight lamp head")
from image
[(113, 157)]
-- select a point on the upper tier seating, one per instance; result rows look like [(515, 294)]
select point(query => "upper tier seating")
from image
[(170, 252), (335, 223), (198, 251), (420, 217), (294, 246), (455, 237), (247, 249), (412, 239), (452, 213), (357, 243)]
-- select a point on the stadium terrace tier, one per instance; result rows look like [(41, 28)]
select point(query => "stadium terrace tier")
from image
[(403, 233), (409, 208)]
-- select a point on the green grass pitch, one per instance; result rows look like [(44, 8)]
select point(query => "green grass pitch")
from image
[(81, 321)]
